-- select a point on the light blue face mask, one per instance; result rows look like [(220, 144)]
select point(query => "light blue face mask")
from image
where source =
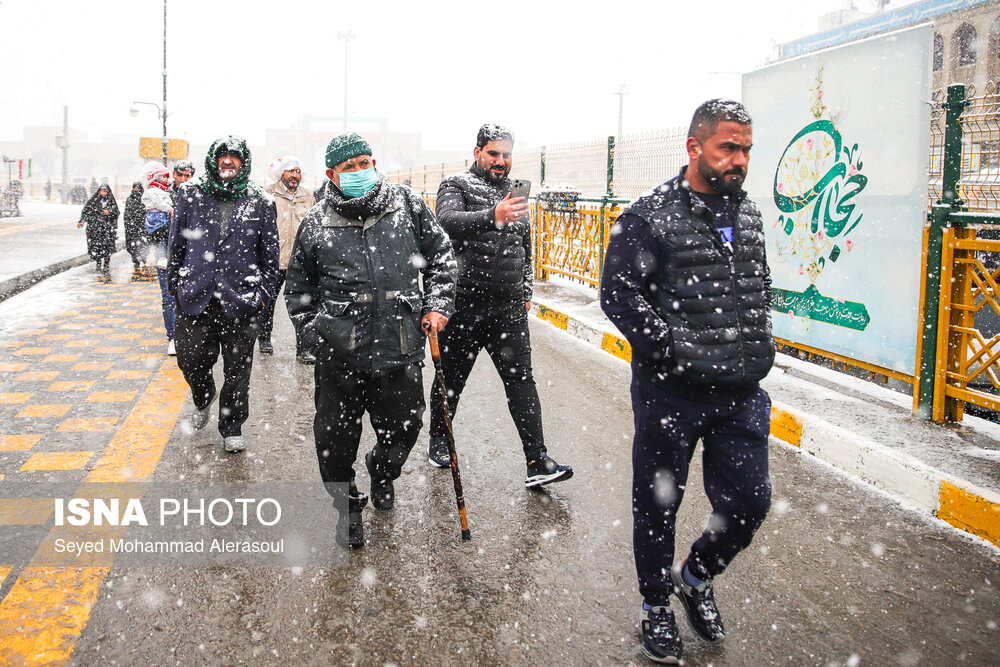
[(357, 183)]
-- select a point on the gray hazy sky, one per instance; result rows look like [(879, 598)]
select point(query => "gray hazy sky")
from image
[(546, 69)]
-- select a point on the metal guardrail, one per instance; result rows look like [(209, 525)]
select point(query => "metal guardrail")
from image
[(959, 347), (958, 351), (568, 242)]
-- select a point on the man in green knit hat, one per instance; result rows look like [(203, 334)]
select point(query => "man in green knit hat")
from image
[(223, 266), (354, 294)]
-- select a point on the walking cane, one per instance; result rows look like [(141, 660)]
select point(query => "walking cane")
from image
[(455, 476)]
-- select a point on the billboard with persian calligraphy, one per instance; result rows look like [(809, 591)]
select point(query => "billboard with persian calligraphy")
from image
[(839, 170)]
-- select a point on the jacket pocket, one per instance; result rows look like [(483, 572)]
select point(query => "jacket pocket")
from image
[(408, 311), (338, 326)]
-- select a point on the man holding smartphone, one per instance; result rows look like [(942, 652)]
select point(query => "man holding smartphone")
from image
[(491, 234)]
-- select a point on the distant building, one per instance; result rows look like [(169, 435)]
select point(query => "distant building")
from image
[(308, 137), (966, 45)]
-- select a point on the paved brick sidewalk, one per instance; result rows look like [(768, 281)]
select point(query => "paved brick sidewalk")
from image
[(86, 395)]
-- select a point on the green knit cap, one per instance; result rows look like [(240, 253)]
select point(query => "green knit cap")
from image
[(344, 147)]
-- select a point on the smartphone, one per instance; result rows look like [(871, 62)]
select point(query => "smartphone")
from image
[(520, 188)]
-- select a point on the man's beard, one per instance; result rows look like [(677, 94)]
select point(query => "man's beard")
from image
[(291, 183), (227, 173), (718, 181), (492, 178)]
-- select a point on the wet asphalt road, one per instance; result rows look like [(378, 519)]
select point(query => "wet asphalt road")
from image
[(838, 574)]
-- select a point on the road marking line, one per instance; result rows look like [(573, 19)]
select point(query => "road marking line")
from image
[(43, 411), (45, 612), (88, 424), (25, 511), (57, 461), (72, 385), (19, 443)]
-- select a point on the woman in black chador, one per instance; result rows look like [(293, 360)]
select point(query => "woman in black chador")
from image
[(100, 214), (136, 239)]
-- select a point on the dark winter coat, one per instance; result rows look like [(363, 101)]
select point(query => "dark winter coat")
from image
[(102, 229), (696, 314), (493, 264), (353, 283), (136, 238), (241, 265)]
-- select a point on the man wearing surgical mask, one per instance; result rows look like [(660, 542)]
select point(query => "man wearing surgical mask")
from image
[(353, 292)]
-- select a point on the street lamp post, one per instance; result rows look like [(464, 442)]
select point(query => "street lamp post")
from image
[(622, 92), (161, 109), (346, 37), (161, 112)]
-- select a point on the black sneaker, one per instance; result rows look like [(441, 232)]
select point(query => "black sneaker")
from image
[(699, 604), (265, 346), (306, 357), (383, 494), (437, 451), (661, 642), (545, 470)]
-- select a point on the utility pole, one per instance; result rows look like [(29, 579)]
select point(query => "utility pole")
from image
[(63, 143), (346, 37), (164, 110), (622, 92)]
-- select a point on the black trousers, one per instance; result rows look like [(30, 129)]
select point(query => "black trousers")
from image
[(267, 310), (199, 340), (734, 458), (395, 406), (503, 331)]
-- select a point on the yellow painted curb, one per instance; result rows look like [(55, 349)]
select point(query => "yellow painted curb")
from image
[(970, 512), (553, 317), (786, 426), (616, 346)]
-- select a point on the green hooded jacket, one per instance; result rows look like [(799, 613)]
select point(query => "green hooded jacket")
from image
[(226, 190)]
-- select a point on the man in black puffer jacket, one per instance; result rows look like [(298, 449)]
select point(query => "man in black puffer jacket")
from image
[(686, 281), (492, 238), (353, 293)]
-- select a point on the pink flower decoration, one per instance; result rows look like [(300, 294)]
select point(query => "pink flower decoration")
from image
[(850, 246), (791, 314), (781, 187), (853, 170), (801, 271), (809, 144), (820, 235)]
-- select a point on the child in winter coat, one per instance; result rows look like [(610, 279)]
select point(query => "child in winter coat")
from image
[(159, 209)]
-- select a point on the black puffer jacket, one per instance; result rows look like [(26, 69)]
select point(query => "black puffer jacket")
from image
[(697, 316), (493, 264), (353, 284)]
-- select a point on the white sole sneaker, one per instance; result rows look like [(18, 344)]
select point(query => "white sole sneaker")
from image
[(234, 444), (171, 349)]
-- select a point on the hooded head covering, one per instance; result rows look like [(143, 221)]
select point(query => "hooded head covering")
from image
[(226, 190), (152, 170), (279, 165), (138, 184)]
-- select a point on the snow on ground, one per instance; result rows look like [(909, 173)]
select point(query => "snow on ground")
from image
[(44, 235)]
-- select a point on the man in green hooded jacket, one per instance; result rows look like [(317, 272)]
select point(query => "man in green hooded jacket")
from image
[(223, 266)]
